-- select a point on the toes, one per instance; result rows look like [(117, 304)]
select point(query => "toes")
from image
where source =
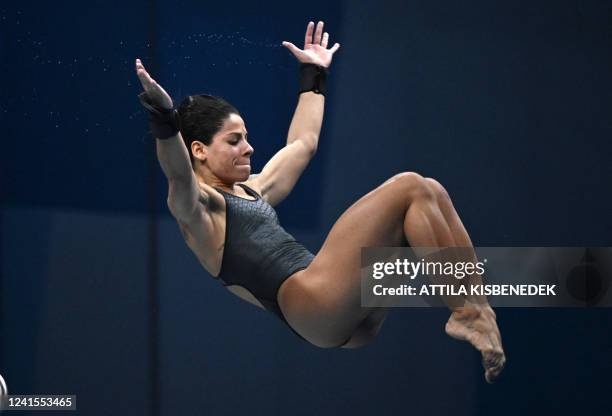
[(491, 377), (493, 362), (480, 330), (492, 358)]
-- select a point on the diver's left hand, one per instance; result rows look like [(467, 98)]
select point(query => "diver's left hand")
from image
[(315, 47)]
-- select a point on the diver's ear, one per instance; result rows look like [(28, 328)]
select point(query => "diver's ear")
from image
[(199, 150)]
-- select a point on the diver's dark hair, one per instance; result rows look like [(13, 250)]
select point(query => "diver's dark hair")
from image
[(201, 116)]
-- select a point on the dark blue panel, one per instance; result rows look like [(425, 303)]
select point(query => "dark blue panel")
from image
[(78, 137), (74, 308), (67, 75)]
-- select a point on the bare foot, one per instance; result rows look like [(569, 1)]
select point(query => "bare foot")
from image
[(477, 325)]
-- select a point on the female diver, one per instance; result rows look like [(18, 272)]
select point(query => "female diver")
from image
[(225, 215)]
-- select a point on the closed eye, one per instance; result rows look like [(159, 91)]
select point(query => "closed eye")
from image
[(235, 138)]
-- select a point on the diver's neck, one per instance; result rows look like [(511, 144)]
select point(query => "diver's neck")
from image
[(211, 179)]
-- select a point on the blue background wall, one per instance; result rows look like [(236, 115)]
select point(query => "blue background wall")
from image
[(508, 105)]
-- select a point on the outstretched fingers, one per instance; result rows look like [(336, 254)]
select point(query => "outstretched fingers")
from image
[(318, 33), (308, 36), (297, 52), (316, 43), (325, 40), (139, 66), (154, 91), (145, 79)]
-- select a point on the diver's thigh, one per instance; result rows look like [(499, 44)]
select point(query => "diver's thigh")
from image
[(375, 220), (325, 300)]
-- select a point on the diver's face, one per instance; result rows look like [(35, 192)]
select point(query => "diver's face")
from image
[(229, 153)]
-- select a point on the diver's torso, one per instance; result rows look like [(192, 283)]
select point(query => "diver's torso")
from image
[(206, 234)]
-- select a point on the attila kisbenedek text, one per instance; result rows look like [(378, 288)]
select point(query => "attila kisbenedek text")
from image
[(457, 270)]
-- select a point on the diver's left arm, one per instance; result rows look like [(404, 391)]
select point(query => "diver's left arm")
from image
[(306, 124), (282, 172)]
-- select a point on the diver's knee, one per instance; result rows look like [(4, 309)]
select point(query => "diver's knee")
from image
[(438, 190), (412, 185)]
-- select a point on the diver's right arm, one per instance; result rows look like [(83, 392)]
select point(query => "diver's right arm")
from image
[(185, 197)]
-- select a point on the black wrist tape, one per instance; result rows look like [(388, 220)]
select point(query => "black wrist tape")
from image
[(313, 78), (164, 122)]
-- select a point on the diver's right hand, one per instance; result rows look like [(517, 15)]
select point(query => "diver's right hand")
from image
[(157, 95)]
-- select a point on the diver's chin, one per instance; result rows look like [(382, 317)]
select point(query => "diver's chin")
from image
[(243, 173), (244, 169)]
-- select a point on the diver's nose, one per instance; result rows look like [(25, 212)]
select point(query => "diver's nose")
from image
[(249, 150)]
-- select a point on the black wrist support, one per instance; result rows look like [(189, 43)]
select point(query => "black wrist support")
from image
[(313, 78), (164, 122)]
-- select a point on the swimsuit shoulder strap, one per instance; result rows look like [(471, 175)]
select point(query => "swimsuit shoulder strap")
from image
[(250, 190)]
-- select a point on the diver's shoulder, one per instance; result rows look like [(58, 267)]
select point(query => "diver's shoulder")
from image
[(253, 183), (210, 198)]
